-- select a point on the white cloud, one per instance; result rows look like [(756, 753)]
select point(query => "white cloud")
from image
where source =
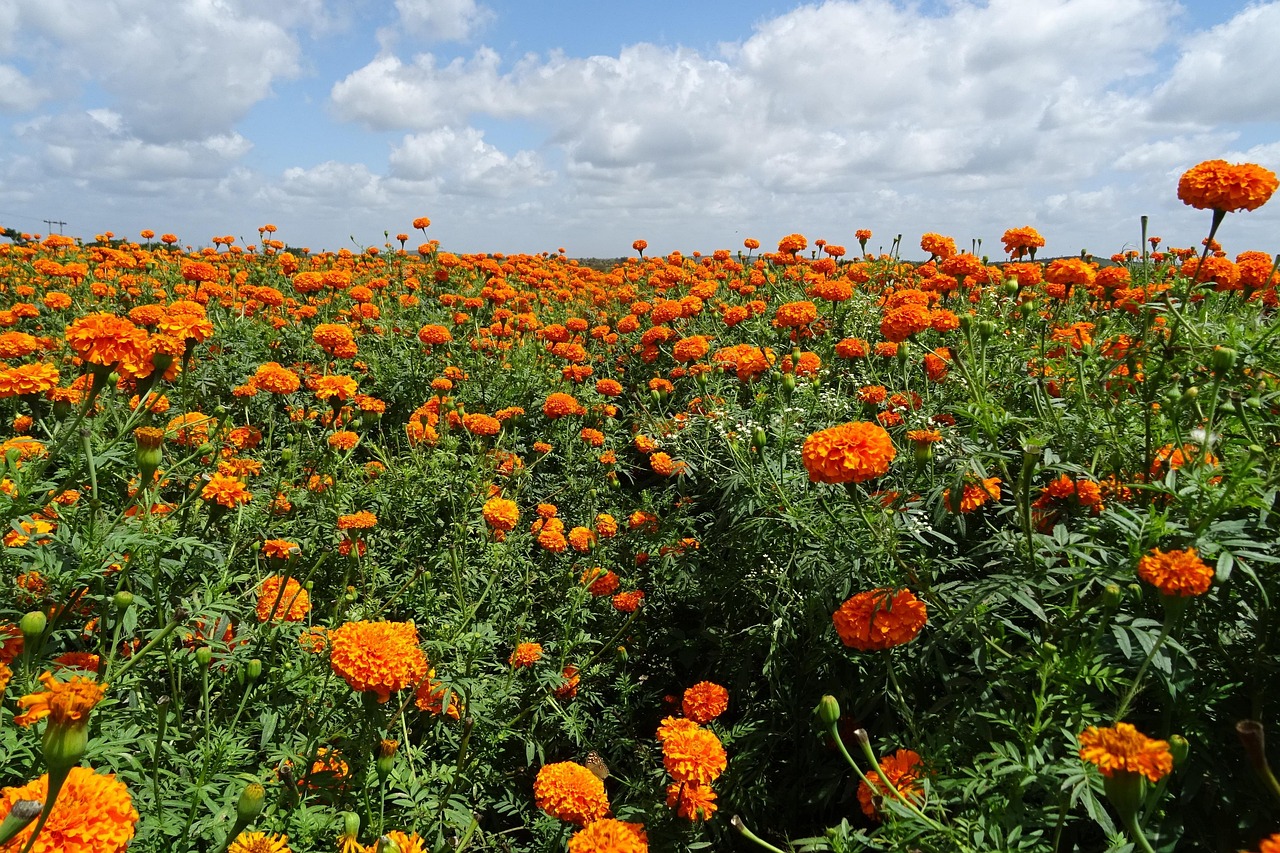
[(174, 71), (441, 20), (17, 92), (1228, 73), (460, 161)]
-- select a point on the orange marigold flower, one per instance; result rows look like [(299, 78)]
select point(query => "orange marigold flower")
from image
[(335, 387), (570, 792), (559, 404), (1219, 185), (795, 315), (434, 335), (608, 835), (904, 321), (1124, 749), (704, 701), (581, 539), (600, 582), (691, 348), (225, 491), (609, 387), (276, 379), (1180, 573), (901, 770), (628, 602), (344, 440), (525, 654), (65, 703), (973, 495), (480, 424), (693, 756), (848, 453), (362, 520), (880, 619), (606, 526), (290, 604), (378, 657), (501, 514), (106, 340), (692, 802), (664, 466), (938, 246), (852, 348), (93, 814)]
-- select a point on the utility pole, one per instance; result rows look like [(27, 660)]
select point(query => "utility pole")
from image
[(53, 222)]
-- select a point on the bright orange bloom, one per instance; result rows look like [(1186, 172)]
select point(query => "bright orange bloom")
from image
[(880, 619), (344, 440), (479, 424), (901, 770), (65, 703), (106, 340), (559, 405), (608, 835), (335, 387), (292, 605), (570, 792), (225, 491), (848, 453), (501, 514), (378, 657), (693, 756), (704, 701), (434, 335), (1180, 573), (276, 379), (93, 814), (1219, 185), (973, 495), (1270, 845), (526, 654), (362, 520), (1124, 749), (795, 315), (692, 802)]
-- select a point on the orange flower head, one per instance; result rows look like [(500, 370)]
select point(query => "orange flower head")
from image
[(880, 619), (362, 520), (93, 814), (1124, 749), (1219, 185), (848, 453), (1179, 573), (570, 792), (377, 657), (225, 491), (525, 654), (292, 604), (259, 842), (901, 770), (705, 701), (65, 703), (693, 756), (608, 835), (106, 340), (501, 514)]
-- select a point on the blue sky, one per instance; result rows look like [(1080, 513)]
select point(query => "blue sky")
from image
[(526, 126)]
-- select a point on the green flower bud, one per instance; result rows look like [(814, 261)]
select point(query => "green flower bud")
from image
[(759, 438), (386, 844), (253, 670), (286, 454), (1111, 596), (1178, 748), (1191, 393), (204, 656), (350, 825), (32, 626), (122, 600), (828, 711), (250, 804), (1222, 359)]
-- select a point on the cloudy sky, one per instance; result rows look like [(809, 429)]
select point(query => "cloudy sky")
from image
[(527, 125)]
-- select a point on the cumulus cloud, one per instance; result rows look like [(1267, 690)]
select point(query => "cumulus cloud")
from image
[(174, 71), (440, 20), (460, 161), (1228, 73), (17, 92)]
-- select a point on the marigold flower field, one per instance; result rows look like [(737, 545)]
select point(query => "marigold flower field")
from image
[(806, 549)]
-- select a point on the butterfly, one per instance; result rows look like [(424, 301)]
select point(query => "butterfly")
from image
[(597, 766)]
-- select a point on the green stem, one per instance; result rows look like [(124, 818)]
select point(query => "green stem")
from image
[(1142, 670), (737, 824)]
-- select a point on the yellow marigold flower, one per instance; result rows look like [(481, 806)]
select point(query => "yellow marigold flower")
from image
[(880, 619), (377, 657), (1180, 573), (848, 453), (608, 835), (570, 792), (694, 756), (259, 842), (705, 701), (93, 814), (1124, 749)]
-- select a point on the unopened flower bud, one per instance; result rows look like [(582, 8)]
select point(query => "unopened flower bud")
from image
[(1111, 596), (122, 600), (386, 758), (253, 670), (250, 804), (1178, 748), (387, 844), (32, 626), (204, 656), (828, 711), (1222, 359)]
